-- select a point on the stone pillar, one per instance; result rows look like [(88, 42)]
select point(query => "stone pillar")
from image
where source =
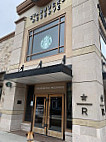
[(18, 44), (12, 106), (89, 124)]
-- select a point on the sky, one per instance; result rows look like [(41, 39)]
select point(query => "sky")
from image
[(8, 16)]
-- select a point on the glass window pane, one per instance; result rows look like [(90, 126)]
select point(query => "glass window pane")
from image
[(30, 33), (39, 115), (45, 40), (55, 113), (69, 106), (46, 26), (61, 49), (62, 34), (28, 59), (62, 19), (29, 46), (49, 53), (103, 46)]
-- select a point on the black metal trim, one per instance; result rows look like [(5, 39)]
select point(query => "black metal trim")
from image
[(40, 71), (86, 104), (104, 75)]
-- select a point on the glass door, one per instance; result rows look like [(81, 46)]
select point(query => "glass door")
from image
[(56, 116), (40, 114), (49, 115)]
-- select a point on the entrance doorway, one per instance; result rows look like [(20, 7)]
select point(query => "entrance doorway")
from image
[(49, 115)]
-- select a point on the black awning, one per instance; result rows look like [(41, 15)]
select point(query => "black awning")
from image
[(54, 73)]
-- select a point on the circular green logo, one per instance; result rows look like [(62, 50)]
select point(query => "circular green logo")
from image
[(46, 42)]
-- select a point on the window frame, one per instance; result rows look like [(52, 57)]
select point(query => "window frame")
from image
[(1, 91), (50, 27)]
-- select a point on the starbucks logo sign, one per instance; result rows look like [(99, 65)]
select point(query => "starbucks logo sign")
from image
[(46, 42)]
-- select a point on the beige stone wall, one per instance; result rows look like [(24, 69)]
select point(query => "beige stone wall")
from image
[(82, 49), (17, 47), (12, 113), (6, 48), (87, 73)]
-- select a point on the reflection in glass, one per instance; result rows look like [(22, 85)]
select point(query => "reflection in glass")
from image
[(46, 38), (39, 115), (29, 46), (55, 113), (52, 52), (46, 26), (39, 40), (62, 34), (62, 19), (61, 49), (28, 59), (30, 33)]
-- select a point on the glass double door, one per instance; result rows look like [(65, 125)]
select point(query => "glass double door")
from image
[(49, 115)]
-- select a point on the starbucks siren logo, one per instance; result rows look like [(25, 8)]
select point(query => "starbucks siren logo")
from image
[(46, 42)]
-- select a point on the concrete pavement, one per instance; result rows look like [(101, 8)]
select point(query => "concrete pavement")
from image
[(20, 136), (9, 137)]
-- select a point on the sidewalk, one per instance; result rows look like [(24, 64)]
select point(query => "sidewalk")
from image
[(20, 136), (8, 137)]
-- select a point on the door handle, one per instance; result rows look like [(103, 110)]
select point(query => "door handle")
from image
[(45, 125)]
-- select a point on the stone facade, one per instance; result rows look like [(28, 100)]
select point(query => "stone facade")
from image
[(6, 47), (87, 73), (82, 50)]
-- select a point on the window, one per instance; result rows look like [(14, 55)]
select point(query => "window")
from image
[(47, 40), (69, 106), (103, 46)]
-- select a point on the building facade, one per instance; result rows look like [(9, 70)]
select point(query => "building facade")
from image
[(53, 66)]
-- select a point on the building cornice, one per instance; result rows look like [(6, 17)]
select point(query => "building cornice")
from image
[(20, 20), (7, 37), (23, 7), (26, 5)]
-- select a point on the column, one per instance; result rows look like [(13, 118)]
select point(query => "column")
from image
[(89, 119)]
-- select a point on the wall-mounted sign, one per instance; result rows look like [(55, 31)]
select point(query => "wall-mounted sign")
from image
[(83, 97), (9, 84), (50, 88), (102, 105), (84, 105), (48, 10), (46, 42)]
